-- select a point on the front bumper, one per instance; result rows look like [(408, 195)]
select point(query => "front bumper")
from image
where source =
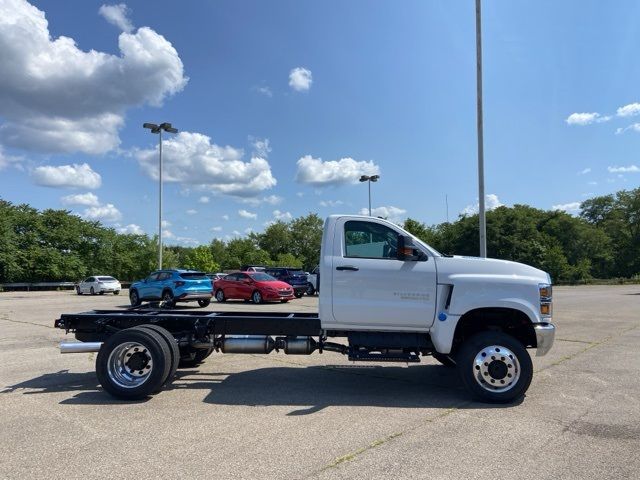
[(545, 335)]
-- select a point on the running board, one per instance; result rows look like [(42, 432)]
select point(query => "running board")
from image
[(360, 356)]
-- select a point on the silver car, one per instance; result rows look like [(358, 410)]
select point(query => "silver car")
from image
[(99, 285)]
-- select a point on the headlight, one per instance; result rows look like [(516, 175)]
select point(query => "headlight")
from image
[(546, 302)]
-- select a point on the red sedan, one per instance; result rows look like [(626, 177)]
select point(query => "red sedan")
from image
[(255, 286)]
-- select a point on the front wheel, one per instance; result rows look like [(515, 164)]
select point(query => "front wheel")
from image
[(134, 298), (204, 303), (78, 291), (310, 290), (298, 294), (167, 299), (116, 292), (93, 292), (494, 367)]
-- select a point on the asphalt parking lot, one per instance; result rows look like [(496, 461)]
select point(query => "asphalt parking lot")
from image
[(319, 416)]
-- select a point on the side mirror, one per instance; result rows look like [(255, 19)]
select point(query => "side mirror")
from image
[(407, 251)]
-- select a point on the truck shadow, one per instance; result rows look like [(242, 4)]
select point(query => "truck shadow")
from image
[(308, 389), (317, 387)]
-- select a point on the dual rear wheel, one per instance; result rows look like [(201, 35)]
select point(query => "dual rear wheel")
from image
[(139, 361)]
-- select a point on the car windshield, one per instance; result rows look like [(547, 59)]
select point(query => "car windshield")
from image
[(262, 277), (193, 275), (107, 279)]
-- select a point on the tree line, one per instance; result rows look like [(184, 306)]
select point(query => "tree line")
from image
[(603, 241)]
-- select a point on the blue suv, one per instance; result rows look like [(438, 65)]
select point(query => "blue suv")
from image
[(171, 286)]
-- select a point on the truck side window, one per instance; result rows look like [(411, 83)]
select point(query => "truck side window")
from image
[(370, 240)]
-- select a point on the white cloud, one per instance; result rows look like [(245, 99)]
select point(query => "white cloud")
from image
[(191, 158), (105, 213), (245, 214), (236, 233), (203, 199), (491, 202), (261, 147), (586, 118), (634, 127), (73, 176), (314, 171), (166, 223), (264, 90), (630, 110), (282, 216), (88, 199), (191, 211), (300, 79), (332, 203), (168, 234), (255, 201), (216, 229), (628, 169), (300, 194), (225, 217), (248, 230), (593, 183), (55, 97), (584, 172), (6, 160), (117, 15), (572, 207), (132, 228), (393, 214)]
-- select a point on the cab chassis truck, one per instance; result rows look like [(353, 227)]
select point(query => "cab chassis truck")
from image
[(387, 295)]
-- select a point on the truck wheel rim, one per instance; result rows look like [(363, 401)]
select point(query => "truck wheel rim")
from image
[(496, 369), (129, 365)]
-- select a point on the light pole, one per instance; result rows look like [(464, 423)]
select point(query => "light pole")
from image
[(158, 129), (369, 178), (481, 208)]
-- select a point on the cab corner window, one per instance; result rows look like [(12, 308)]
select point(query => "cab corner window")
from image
[(370, 240)]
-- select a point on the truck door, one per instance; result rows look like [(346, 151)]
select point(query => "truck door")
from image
[(372, 288)]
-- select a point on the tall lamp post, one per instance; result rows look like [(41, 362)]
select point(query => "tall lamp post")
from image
[(158, 129), (369, 178), (481, 207)]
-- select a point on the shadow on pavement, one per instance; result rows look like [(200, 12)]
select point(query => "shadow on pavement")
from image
[(311, 388)]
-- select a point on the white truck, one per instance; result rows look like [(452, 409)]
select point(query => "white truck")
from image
[(387, 295)]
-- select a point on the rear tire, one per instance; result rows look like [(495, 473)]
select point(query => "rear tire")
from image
[(133, 363), (167, 299), (78, 291), (494, 367), (204, 303), (256, 297), (174, 351), (298, 294), (310, 290)]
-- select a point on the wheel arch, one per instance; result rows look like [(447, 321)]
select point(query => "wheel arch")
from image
[(511, 321)]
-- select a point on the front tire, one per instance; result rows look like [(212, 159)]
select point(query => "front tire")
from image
[(78, 291), (116, 292), (134, 298), (133, 363), (298, 294), (220, 296), (93, 292), (310, 290), (494, 367)]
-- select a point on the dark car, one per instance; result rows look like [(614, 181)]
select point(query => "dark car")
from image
[(255, 286), (293, 276), (172, 286)]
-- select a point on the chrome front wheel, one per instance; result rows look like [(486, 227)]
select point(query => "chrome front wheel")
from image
[(129, 365), (496, 368)]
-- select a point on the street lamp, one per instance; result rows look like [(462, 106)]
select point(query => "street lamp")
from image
[(369, 178), (482, 216), (158, 129)]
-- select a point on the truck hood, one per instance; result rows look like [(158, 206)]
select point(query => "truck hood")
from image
[(450, 268)]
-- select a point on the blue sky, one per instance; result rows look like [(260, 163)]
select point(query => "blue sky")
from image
[(283, 105)]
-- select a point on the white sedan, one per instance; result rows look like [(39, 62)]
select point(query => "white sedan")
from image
[(99, 285)]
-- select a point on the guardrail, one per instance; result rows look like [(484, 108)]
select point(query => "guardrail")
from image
[(28, 286)]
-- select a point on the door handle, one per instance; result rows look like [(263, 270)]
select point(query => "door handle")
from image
[(348, 267)]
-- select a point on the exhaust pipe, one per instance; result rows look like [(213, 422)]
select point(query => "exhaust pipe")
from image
[(80, 347)]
